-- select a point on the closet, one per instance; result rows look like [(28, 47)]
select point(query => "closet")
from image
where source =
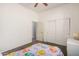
[(56, 31)]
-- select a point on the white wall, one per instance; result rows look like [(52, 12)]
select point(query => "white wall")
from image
[(15, 26), (40, 33), (65, 11)]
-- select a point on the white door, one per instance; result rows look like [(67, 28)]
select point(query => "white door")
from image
[(50, 31), (62, 31), (56, 31)]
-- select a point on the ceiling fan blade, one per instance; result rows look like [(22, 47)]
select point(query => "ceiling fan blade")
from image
[(36, 5), (45, 4)]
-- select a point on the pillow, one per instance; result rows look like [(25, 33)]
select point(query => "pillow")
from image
[(76, 35)]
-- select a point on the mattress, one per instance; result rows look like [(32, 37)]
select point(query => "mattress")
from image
[(38, 49)]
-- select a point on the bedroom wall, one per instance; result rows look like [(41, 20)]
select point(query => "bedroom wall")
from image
[(65, 11), (15, 26)]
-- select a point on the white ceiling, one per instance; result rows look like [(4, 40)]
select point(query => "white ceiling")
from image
[(40, 7)]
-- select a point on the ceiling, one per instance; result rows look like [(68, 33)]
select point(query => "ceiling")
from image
[(40, 7)]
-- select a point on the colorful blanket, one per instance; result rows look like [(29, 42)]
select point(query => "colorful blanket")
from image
[(38, 49)]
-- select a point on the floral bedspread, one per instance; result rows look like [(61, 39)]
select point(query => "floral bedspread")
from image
[(38, 49)]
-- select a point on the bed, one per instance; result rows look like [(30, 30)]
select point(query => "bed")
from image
[(38, 49)]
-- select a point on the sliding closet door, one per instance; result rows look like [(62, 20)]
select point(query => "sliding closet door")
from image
[(50, 31)]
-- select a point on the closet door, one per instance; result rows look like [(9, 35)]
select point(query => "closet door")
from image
[(60, 38), (50, 31), (56, 31), (62, 31)]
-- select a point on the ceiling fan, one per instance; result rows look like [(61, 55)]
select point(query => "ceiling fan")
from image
[(45, 4)]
